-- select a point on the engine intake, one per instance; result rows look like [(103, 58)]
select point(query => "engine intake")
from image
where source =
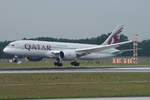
[(68, 55)]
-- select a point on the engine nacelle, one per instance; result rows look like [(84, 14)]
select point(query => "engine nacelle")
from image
[(34, 58), (68, 55)]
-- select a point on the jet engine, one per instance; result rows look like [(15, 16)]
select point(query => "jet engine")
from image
[(34, 58), (68, 55)]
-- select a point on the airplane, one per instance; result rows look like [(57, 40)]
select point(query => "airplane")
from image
[(35, 50)]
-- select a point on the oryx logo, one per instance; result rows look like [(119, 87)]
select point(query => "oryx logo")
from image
[(37, 47), (116, 37)]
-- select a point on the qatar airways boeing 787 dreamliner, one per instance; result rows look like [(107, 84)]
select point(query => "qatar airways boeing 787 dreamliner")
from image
[(36, 50)]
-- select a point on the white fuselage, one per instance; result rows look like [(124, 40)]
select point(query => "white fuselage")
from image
[(30, 48)]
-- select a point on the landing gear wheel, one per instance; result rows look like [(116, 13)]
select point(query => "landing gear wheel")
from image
[(15, 59), (58, 64), (75, 63)]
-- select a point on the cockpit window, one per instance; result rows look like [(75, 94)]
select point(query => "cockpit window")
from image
[(12, 45)]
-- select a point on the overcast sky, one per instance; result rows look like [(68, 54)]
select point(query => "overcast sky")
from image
[(72, 18)]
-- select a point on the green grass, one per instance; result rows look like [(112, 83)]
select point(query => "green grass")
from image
[(55, 85), (87, 63)]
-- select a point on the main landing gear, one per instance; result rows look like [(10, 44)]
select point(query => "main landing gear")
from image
[(58, 62), (74, 63)]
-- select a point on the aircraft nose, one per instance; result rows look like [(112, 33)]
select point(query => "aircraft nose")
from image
[(5, 50)]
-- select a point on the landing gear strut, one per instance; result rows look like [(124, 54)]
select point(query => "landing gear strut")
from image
[(58, 62), (15, 60), (74, 63)]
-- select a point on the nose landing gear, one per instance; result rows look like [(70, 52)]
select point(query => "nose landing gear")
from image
[(15, 60)]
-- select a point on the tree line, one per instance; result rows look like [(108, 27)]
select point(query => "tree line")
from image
[(143, 45)]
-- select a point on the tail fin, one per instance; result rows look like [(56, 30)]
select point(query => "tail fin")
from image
[(114, 37)]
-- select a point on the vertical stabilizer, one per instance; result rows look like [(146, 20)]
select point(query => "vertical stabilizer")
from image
[(114, 37)]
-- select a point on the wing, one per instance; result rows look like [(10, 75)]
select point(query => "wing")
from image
[(53, 54), (84, 51), (123, 51)]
